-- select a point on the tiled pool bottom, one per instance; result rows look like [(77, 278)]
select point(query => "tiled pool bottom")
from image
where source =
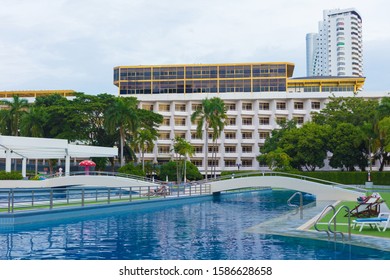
[(215, 229), (292, 225)]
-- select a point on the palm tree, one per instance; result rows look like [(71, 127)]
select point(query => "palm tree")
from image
[(32, 124), (211, 115), (144, 142), (122, 117), (16, 108), (185, 149)]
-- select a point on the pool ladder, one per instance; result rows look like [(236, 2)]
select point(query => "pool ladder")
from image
[(334, 231), (298, 207)]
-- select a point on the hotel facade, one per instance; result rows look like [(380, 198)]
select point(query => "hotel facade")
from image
[(258, 96), (337, 48)]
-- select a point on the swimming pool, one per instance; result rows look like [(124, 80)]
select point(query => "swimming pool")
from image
[(210, 228)]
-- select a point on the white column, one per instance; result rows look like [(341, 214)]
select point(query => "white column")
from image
[(67, 165), (7, 160), (24, 164)]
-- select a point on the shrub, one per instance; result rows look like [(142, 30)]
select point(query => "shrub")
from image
[(13, 175), (170, 169), (133, 169)]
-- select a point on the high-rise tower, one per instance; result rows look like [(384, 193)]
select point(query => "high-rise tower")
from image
[(337, 48)]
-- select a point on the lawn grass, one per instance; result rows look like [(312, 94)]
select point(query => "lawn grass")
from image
[(342, 220)]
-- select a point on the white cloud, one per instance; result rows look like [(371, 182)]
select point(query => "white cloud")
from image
[(75, 44)]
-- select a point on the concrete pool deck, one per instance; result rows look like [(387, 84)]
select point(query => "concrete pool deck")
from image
[(292, 225)]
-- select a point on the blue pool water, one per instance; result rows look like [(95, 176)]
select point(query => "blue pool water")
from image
[(212, 228)]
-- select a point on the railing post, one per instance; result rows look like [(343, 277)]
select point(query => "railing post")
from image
[(120, 193), (130, 194), (9, 201), (51, 199), (148, 192), (67, 196), (82, 197), (12, 201), (109, 196), (32, 198), (96, 197), (200, 189), (190, 189)]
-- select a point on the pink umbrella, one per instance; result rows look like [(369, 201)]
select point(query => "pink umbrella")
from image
[(87, 164)]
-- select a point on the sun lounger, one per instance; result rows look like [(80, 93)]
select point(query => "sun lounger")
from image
[(368, 208), (383, 220)]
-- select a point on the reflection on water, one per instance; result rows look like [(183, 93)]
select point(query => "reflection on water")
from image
[(212, 229)]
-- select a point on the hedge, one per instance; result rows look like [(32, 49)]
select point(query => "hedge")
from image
[(13, 175)]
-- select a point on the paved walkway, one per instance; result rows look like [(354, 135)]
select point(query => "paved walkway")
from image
[(292, 225)]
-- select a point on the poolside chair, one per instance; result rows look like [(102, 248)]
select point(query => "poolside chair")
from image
[(368, 208), (383, 220)]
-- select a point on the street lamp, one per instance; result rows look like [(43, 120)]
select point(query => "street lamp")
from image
[(370, 159)]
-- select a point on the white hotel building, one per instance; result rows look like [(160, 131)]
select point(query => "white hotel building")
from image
[(337, 48), (257, 97)]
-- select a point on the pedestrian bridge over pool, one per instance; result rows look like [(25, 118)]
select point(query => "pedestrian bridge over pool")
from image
[(323, 190)]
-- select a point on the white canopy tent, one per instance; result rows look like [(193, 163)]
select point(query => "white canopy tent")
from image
[(12, 147)]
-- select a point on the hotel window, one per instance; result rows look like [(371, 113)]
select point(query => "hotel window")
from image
[(213, 149), (197, 162), (247, 149), (180, 121), (213, 163), (180, 107), (315, 105), (230, 163), (230, 135), (148, 107), (230, 106), (246, 162), (164, 107), (231, 121), (246, 121), (196, 107), (280, 120), (299, 120), (280, 105), (198, 149), (247, 106), (263, 134), (298, 105), (166, 122), (246, 135), (263, 121), (163, 149), (194, 135), (180, 135), (164, 136), (263, 106), (230, 149)]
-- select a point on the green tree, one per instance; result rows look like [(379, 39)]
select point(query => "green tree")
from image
[(306, 146), (184, 149), (363, 115), (13, 113), (144, 142), (276, 160), (344, 145), (122, 117), (210, 115), (384, 132), (33, 123)]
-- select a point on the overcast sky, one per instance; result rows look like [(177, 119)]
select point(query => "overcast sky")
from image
[(74, 44)]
